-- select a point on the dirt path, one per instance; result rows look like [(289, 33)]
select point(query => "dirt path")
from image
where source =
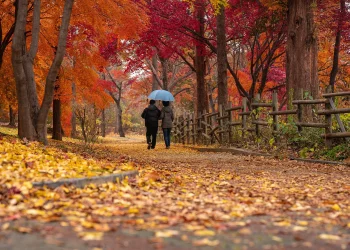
[(184, 199)]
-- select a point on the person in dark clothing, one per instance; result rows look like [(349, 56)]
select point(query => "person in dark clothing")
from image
[(167, 117), (151, 115)]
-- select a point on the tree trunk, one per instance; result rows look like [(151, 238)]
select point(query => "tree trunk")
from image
[(221, 57), (337, 46), (82, 124), (103, 124), (53, 72), (26, 128), (56, 119), (28, 63), (164, 63), (120, 120), (154, 78), (202, 93), (301, 51), (12, 116), (33, 121), (73, 132)]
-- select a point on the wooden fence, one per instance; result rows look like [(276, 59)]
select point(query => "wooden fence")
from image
[(218, 127)]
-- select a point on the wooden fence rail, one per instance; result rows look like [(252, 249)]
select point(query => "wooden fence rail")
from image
[(217, 127)]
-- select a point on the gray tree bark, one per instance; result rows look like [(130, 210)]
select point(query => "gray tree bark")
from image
[(154, 78), (53, 72)]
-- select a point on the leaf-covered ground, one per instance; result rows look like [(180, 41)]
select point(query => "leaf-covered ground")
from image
[(184, 199)]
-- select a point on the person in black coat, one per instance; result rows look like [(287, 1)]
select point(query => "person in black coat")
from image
[(151, 115)]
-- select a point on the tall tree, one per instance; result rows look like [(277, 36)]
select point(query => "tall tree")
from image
[(301, 50), (202, 103), (33, 119), (221, 56), (335, 66)]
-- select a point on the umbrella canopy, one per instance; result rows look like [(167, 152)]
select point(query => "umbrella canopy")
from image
[(161, 95)]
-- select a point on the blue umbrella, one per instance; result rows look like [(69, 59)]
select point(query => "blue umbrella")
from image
[(161, 95)]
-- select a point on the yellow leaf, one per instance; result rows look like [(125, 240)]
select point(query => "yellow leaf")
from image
[(39, 203), (91, 235), (24, 229), (245, 231), (206, 242), (329, 237), (48, 206), (299, 228), (102, 227), (276, 238), (302, 223), (284, 223), (5, 226), (204, 233), (336, 207), (87, 224), (133, 210), (64, 224), (166, 233)]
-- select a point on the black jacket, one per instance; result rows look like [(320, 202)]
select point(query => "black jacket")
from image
[(151, 115)]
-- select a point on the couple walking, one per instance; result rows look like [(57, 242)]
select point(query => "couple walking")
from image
[(152, 114)]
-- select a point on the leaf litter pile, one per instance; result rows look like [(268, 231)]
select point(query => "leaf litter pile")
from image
[(201, 199)]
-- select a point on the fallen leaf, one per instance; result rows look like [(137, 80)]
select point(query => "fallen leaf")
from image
[(206, 242), (166, 233), (329, 237), (91, 235), (24, 229), (204, 233)]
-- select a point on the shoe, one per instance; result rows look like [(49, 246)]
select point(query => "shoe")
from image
[(149, 146), (152, 147), (167, 147)]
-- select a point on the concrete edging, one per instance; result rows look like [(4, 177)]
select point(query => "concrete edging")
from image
[(81, 182)]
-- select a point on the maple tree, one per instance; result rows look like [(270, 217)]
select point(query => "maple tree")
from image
[(32, 118)]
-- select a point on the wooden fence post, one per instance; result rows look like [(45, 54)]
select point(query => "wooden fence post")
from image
[(328, 121), (194, 131), (175, 129), (275, 117), (205, 119), (256, 115), (300, 112), (188, 128), (221, 123), (183, 129), (244, 117), (230, 120)]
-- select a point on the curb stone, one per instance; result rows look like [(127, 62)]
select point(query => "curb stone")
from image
[(81, 182)]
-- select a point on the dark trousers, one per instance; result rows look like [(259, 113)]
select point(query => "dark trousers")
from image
[(166, 132), (151, 135)]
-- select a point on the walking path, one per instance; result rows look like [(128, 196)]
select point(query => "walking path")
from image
[(184, 199)]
